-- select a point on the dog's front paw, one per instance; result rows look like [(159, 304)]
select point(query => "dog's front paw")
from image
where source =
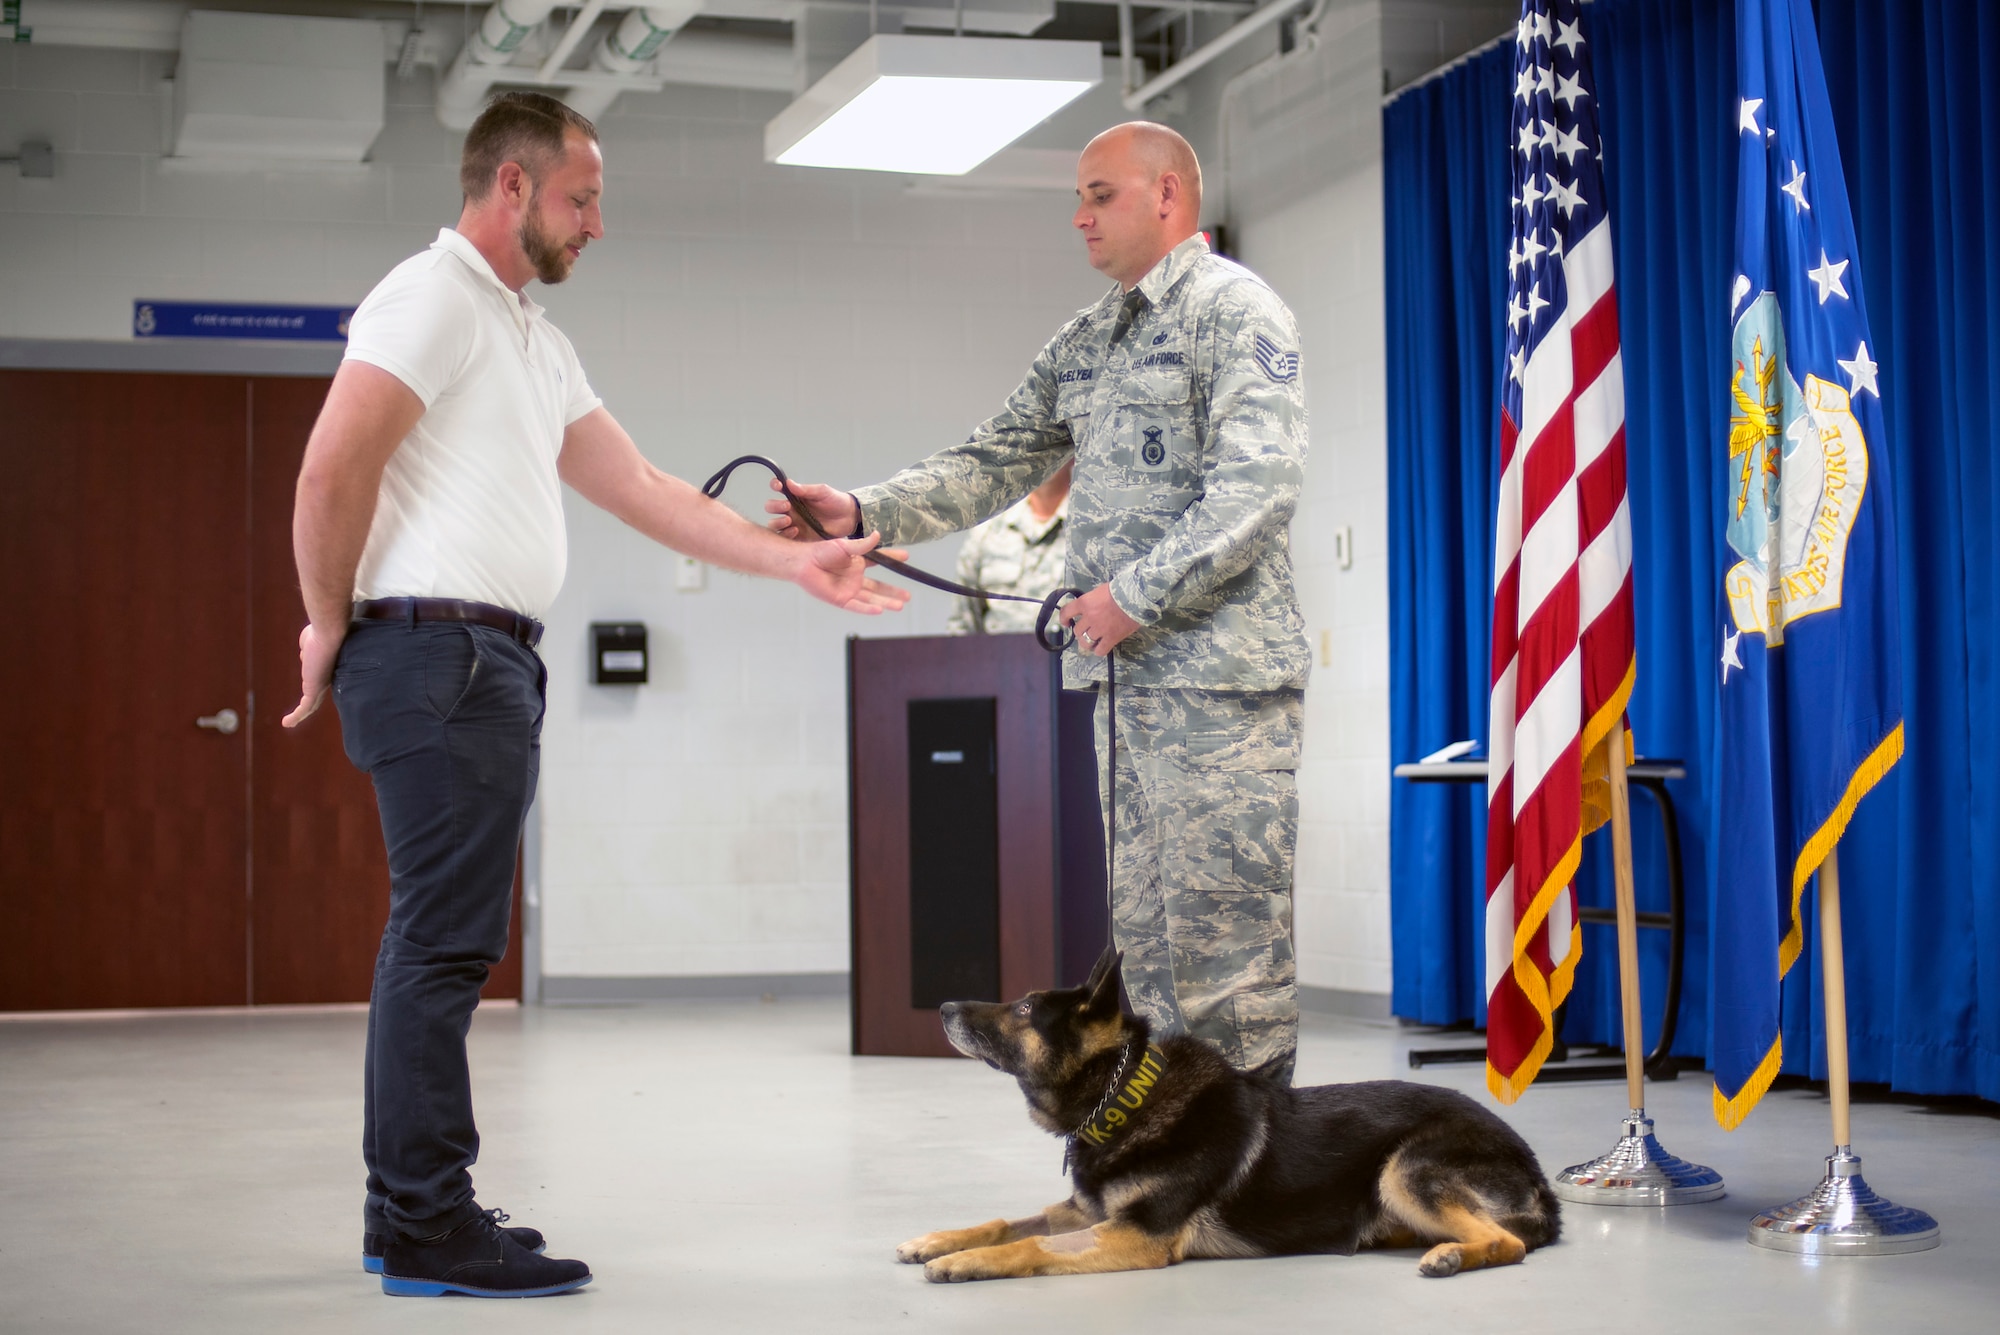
[(927, 1248), (946, 1241), (959, 1267)]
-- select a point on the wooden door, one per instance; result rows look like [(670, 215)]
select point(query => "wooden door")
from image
[(123, 545), (146, 565), (320, 876)]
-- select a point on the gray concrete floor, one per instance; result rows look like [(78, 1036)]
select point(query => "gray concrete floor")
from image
[(727, 1166)]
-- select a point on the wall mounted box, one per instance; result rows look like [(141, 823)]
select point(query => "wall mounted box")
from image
[(618, 653)]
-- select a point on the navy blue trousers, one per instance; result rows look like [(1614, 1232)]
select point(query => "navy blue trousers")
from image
[(446, 718)]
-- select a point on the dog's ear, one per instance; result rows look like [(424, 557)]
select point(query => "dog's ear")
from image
[(1105, 963), (1103, 982)]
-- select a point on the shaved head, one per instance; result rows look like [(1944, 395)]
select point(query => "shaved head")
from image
[(1138, 189), (1157, 149)]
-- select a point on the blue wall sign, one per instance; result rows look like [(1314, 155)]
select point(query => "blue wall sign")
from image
[(202, 319)]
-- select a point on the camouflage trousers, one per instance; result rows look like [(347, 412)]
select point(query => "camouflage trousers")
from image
[(1208, 816)]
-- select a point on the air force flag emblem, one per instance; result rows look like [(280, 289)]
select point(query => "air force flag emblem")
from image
[(1276, 363)]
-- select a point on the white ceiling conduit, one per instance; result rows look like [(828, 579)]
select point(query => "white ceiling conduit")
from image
[(1255, 22), (486, 56), (630, 49), (511, 43), (642, 53)]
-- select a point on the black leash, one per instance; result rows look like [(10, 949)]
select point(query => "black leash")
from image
[(1055, 643)]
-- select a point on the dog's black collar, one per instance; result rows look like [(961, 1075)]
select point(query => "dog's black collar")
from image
[(1122, 1098)]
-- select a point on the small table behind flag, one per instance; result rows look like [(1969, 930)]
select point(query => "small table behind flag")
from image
[(1652, 775)]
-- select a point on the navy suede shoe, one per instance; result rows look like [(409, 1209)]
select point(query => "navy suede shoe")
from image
[(374, 1244), (478, 1258)]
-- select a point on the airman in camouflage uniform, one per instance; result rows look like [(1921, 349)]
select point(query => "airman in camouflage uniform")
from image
[(1013, 552), (1179, 398)]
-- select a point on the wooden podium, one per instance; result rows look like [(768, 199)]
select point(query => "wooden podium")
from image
[(975, 839)]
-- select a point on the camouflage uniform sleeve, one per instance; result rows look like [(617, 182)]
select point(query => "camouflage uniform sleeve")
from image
[(1254, 463), (1006, 458), (964, 618)]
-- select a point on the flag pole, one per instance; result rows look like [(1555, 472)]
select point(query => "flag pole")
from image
[(1637, 1171), (1842, 1216), (1833, 963), (1628, 926)]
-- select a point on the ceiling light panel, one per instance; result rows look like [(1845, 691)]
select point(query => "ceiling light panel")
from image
[(930, 105)]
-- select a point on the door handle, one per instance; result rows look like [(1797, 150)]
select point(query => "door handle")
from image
[(224, 721)]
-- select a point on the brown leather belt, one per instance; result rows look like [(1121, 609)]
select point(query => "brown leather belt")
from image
[(525, 629)]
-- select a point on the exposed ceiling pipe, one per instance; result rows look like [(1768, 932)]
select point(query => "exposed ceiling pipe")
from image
[(628, 48), (129, 25), (728, 60), (632, 46), (1125, 61), (1256, 22), (487, 52), (579, 24)]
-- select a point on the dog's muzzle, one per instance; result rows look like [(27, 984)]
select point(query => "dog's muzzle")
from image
[(961, 1035)]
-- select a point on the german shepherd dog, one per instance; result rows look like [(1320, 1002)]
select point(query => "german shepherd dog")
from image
[(1174, 1154)]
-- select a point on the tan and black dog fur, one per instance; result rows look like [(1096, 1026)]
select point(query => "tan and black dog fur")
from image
[(1216, 1163)]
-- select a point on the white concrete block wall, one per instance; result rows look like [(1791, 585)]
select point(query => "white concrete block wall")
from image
[(1299, 146), (839, 323), (836, 322), (1304, 179)]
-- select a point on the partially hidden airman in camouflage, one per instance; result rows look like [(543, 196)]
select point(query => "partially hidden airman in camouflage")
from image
[(1178, 396), (1018, 551)]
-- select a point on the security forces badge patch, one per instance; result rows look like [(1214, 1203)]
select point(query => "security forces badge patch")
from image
[(1150, 439)]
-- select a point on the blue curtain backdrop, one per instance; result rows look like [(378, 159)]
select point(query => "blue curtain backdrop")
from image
[(1919, 122)]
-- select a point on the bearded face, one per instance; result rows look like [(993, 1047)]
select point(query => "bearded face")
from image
[(546, 250)]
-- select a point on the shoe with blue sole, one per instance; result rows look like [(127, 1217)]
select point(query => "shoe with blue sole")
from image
[(479, 1259), (374, 1244), (420, 1288)]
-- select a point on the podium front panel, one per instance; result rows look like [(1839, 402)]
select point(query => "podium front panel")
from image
[(954, 851), (1019, 681)]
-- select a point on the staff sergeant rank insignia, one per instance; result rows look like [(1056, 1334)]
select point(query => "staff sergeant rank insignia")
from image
[(1278, 364)]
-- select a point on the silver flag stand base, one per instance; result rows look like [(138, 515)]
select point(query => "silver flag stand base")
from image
[(1844, 1217), (1638, 1172)]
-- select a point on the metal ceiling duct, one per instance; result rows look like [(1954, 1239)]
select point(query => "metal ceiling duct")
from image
[(271, 87)]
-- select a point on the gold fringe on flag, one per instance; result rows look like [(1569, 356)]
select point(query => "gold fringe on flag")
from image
[(1547, 994), (1730, 1112)]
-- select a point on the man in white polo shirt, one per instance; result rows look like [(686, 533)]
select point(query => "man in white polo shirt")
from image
[(429, 536)]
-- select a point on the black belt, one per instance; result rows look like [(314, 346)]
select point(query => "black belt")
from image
[(525, 629)]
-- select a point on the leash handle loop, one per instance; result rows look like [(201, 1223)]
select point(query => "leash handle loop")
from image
[(713, 490)]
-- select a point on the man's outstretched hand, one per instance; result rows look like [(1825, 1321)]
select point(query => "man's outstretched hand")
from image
[(835, 572)]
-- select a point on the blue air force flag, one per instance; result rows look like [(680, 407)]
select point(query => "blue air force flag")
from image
[(1810, 715)]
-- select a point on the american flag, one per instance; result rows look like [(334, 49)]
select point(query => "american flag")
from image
[(1562, 589)]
